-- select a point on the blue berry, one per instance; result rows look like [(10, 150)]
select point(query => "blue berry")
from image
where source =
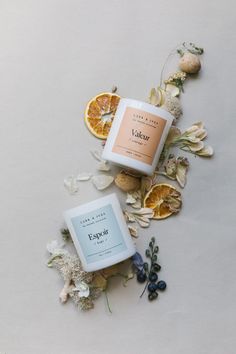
[(161, 285), (153, 277), (141, 276), (152, 287), (152, 296), (156, 267)]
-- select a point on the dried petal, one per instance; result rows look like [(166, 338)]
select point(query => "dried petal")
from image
[(128, 277), (182, 168), (201, 134), (129, 216), (173, 90), (102, 182), (191, 129), (146, 184), (206, 151), (54, 247), (174, 134), (130, 199), (137, 260), (133, 231), (148, 212), (194, 147), (154, 97), (104, 166), (141, 216), (191, 139), (97, 155), (71, 184), (171, 167), (143, 221), (84, 176), (200, 125), (173, 201), (134, 199)]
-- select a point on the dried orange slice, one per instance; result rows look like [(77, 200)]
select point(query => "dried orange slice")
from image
[(100, 112), (164, 199)]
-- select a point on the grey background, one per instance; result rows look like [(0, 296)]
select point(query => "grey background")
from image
[(54, 56)]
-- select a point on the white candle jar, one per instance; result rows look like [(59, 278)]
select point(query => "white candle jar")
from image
[(100, 233), (137, 135)]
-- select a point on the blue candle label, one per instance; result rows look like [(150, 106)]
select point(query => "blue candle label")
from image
[(99, 234)]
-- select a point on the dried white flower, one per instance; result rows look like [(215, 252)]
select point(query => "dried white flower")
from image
[(195, 133), (142, 216), (134, 199), (82, 288), (176, 169), (190, 140), (55, 248)]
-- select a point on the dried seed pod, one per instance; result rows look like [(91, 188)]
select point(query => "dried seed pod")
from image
[(190, 63), (127, 183)]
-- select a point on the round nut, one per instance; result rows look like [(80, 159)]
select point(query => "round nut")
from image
[(190, 63), (127, 183)]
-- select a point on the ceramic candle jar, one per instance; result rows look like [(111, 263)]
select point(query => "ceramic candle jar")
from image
[(100, 233), (137, 135)]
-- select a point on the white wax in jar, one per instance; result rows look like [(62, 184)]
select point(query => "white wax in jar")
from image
[(137, 135), (100, 233)]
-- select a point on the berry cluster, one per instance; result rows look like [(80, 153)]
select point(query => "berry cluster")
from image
[(148, 273)]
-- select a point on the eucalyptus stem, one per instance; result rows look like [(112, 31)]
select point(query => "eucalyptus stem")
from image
[(144, 288), (173, 52), (107, 301), (150, 270)]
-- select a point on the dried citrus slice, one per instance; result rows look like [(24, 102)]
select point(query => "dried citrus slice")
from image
[(100, 112), (164, 199)]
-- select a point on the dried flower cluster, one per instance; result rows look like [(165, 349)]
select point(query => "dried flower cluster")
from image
[(82, 287), (191, 140)]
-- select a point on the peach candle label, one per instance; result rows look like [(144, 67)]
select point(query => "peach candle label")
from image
[(139, 135)]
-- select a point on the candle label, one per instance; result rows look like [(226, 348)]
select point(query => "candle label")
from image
[(99, 234), (139, 135)]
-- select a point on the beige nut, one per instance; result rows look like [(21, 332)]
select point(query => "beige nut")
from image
[(127, 183), (190, 63)]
